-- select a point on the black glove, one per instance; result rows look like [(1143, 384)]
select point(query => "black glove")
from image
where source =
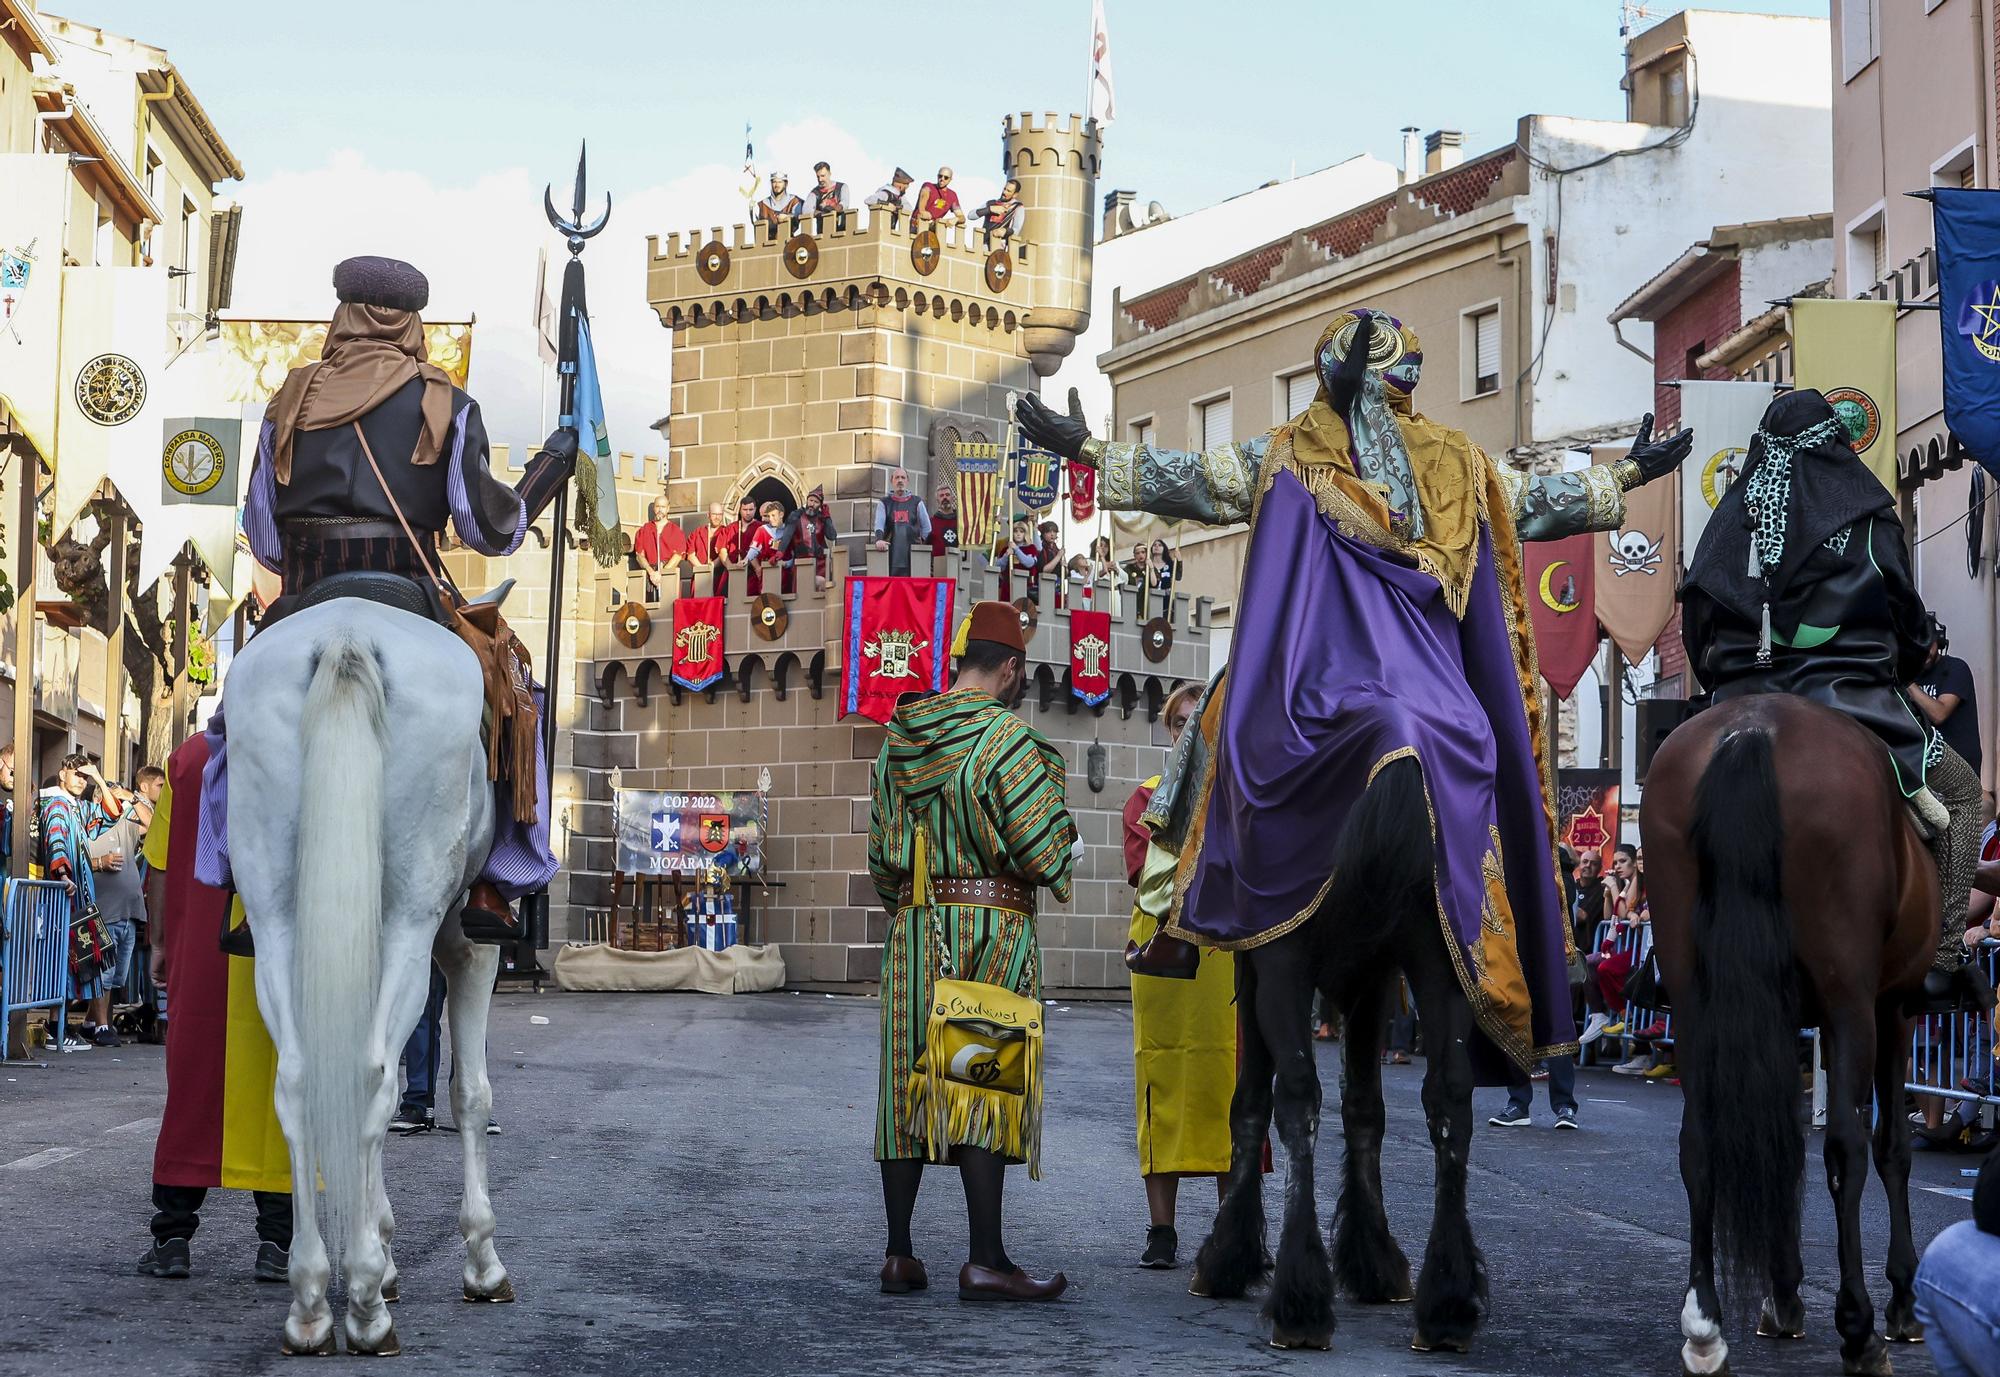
[(1043, 426), (1346, 384), (561, 446), (1658, 459)]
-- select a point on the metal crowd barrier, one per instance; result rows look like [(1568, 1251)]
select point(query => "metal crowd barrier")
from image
[(1951, 1055), (34, 950)]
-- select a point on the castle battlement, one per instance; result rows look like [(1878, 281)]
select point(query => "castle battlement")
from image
[(862, 223), (1071, 126)]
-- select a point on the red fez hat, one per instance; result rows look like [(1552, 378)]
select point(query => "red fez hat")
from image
[(998, 622)]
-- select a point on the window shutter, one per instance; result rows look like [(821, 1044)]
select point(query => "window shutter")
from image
[(1300, 389), (1148, 434), (1966, 179), (1215, 420), (1486, 352)]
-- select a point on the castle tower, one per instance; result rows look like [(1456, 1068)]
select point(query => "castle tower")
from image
[(1057, 165)]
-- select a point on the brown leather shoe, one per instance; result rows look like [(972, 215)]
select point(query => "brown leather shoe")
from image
[(489, 918), (1164, 956), (987, 1284), (901, 1275)]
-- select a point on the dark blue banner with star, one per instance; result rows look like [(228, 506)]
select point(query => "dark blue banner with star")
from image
[(1968, 250)]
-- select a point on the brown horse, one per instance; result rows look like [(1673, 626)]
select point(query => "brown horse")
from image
[(1788, 890)]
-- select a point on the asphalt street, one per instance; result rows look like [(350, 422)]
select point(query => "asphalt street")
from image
[(684, 1185)]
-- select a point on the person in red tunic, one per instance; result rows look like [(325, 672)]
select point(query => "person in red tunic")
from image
[(770, 539), (944, 522), (716, 545), (661, 548), (937, 202), (219, 1126)]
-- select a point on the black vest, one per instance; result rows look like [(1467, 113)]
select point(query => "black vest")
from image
[(331, 478)]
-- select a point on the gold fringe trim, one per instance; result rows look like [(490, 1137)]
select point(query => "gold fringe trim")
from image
[(953, 1114)]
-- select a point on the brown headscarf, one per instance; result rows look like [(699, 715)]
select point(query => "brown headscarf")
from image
[(371, 351)]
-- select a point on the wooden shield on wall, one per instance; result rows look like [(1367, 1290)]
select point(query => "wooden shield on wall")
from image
[(926, 252), (1156, 639), (1030, 615), (632, 624), (999, 270), (801, 255), (768, 617), (711, 261)]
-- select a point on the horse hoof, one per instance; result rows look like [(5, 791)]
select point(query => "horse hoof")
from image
[(1906, 1332), (392, 1291), (389, 1346), (1420, 1344), (1722, 1371), (1769, 1326), (1872, 1361), (1321, 1339), (500, 1295), (318, 1350)]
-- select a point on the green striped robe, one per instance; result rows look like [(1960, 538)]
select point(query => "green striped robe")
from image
[(988, 791)]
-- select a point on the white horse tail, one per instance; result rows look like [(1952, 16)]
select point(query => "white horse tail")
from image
[(336, 975)]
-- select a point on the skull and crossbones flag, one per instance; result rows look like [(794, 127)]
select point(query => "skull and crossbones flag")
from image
[(895, 639), (1090, 655), (1638, 564), (698, 661)]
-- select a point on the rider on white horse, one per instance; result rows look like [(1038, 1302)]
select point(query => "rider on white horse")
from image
[(363, 458)]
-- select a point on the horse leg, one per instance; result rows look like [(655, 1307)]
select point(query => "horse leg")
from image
[(1705, 1350), (309, 1322), (385, 1229), (469, 974), (405, 980), (1366, 1260), (1850, 1039), (1300, 1306), (1233, 1258), (1892, 1164), (1451, 1288)]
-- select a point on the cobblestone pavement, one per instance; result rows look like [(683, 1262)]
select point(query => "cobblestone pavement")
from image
[(684, 1185)]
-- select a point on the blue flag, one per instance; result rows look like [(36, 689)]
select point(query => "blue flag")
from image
[(597, 486), (1968, 250)]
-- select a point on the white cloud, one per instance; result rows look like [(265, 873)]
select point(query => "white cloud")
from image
[(477, 244)]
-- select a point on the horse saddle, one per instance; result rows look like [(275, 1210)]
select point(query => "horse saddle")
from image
[(370, 585)]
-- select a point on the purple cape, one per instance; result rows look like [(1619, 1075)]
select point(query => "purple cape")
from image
[(1346, 656)]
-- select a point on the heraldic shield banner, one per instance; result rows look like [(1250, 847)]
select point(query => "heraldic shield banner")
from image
[(1090, 655), (698, 659), (897, 640), (666, 833)]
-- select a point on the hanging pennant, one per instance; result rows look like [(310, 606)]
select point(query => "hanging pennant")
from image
[(1090, 656), (1723, 417), (978, 463), (1968, 256), (896, 637), (1035, 472), (1562, 608), (1637, 564), (698, 661), (1082, 491)]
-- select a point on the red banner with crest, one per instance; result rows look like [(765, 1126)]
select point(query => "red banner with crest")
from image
[(1090, 655), (698, 661), (1562, 607), (1082, 491), (896, 639)]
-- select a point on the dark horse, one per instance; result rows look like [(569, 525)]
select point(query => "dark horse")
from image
[(1379, 916), (1788, 890)]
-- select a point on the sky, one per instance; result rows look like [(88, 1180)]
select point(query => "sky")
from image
[(427, 129)]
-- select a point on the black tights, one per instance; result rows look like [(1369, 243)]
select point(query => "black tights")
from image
[(985, 1176)]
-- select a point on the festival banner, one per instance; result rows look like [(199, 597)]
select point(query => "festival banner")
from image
[(1082, 491), (1968, 253), (1562, 608), (113, 360), (1587, 812), (698, 661), (1638, 564), (199, 460), (257, 354), (1035, 473), (31, 225), (897, 640), (1090, 655), (663, 833), (1847, 349), (978, 463), (1723, 417)]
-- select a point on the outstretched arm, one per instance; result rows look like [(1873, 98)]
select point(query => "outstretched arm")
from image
[(1214, 488), (1550, 506)]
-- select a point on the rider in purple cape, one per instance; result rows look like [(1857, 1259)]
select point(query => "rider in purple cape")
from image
[(318, 507), (1382, 617)]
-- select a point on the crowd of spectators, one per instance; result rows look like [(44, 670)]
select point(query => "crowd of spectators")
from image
[(936, 203)]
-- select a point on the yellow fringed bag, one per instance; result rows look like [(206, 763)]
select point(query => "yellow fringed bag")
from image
[(979, 1080)]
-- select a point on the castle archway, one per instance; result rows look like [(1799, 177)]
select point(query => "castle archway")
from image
[(768, 479)]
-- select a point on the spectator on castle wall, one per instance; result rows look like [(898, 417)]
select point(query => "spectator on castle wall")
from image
[(660, 548), (1162, 571), (781, 207), (1004, 214), (715, 546), (770, 544), (812, 536), (944, 522), (1103, 563), (1048, 559), (901, 520), (828, 196), (937, 203), (889, 196), (1018, 557)]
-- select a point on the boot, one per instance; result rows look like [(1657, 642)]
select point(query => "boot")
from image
[(1165, 956), (488, 918)]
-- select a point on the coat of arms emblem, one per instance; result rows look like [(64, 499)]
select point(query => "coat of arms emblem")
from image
[(714, 831), (894, 650), (696, 640), (1092, 650)]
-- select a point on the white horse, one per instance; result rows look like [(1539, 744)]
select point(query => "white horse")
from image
[(359, 813)]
